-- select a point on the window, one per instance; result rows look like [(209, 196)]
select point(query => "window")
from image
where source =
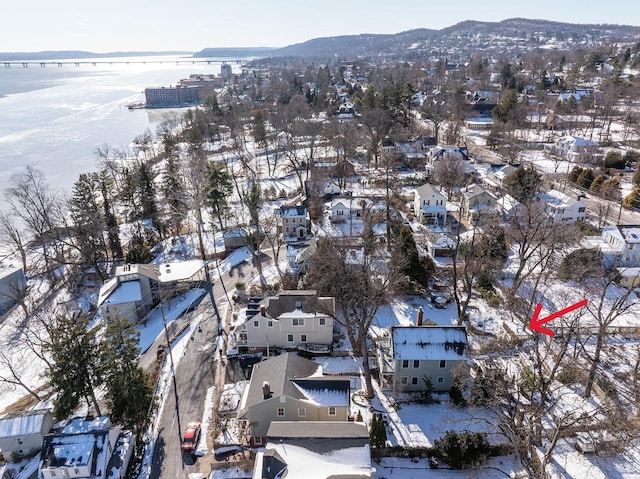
[(256, 324), (443, 363), (286, 229), (581, 209), (332, 410), (303, 338), (290, 338), (302, 412), (405, 363), (414, 381), (257, 441), (280, 412), (270, 324), (323, 321), (53, 473), (298, 321), (416, 363), (404, 380), (440, 379)]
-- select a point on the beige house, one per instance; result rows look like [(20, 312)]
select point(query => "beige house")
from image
[(476, 204), (288, 320), (411, 353), (291, 388)]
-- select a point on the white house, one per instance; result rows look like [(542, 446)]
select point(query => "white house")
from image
[(563, 208), (21, 434), (287, 321), (575, 149), (620, 245), (429, 205), (81, 450), (344, 210)]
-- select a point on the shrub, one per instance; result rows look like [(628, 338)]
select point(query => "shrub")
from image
[(614, 160), (463, 450)]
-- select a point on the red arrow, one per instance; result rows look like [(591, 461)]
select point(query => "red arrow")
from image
[(536, 323)]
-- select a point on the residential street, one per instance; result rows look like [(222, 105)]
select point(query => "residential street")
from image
[(197, 371)]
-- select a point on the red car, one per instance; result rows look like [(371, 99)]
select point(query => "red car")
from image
[(191, 437)]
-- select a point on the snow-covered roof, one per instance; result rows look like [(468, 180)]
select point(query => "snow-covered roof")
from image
[(352, 462), (181, 270), (321, 396), (429, 342), (630, 233), (427, 190), (23, 424), (78, 425), (295, 211), (557, 199), (127, 292)]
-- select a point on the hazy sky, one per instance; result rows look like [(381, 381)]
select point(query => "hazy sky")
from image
[(191, 25)]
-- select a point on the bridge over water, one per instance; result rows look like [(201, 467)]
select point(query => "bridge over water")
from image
[(63, 63)]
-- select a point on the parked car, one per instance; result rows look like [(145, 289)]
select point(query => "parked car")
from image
[(191, 437)]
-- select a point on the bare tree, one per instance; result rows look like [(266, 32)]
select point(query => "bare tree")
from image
[(13, 236), (38, 207)]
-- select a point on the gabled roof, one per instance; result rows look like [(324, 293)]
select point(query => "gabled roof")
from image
[(630, 233), (473, 190), (298, 378), (429, 342), (293, 211), (427, 190), (125, 292), (277, 371)]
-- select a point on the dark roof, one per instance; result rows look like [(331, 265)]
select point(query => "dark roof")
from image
[(308, 300), (316, 430), (272, 464)]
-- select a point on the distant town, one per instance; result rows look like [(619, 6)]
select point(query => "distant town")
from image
[(366, 256)]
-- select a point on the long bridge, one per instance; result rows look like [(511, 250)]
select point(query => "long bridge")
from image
[(78, 63)]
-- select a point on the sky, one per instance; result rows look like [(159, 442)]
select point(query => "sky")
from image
[(191, 25)]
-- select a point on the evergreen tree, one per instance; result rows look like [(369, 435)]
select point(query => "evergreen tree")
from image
[(406, 260), (218, 190), (632, 200), (636, 177), (173, 190), (523, 184), (74, 371), (463, 450), (574, 174), (595, 184), (259, 128), (88, 224), (427, 395), (129, 389), (585, 179), (147, 194)]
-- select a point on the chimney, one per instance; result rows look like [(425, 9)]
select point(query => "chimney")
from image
[(266, 390), (263, 310), (419, 319)]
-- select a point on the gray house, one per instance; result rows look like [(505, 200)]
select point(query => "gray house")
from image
[(291, 388), (410, 353), (12, 286), (21, 434)]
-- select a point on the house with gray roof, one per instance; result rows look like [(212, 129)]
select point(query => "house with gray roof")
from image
[(288, 320), (410, 353), (476, 204), (291, 388), (12, 287), (296, 223)]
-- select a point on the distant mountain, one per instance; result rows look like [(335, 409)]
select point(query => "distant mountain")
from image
[(239, 52), (72, 54), (511, 35)]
